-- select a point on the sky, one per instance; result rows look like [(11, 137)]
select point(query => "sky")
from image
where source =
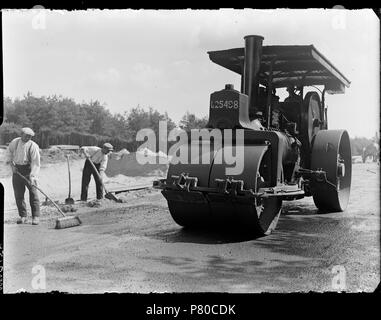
[(158, 58)]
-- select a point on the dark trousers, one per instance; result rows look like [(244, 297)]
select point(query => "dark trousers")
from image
[(88, 170), (19, 185)]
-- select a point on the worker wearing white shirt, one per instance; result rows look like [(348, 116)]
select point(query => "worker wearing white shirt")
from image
[(23, 155), (99, 157)]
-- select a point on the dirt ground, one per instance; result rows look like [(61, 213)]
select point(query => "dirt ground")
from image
[(135, 246), (53, 179)]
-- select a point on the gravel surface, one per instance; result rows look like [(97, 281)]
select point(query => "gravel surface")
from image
[(135, 246)]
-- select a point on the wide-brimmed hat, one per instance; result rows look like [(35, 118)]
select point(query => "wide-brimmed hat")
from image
[(108, 146), (27, 131)]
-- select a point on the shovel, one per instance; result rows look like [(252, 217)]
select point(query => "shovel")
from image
[(69, 200), (108, 195)]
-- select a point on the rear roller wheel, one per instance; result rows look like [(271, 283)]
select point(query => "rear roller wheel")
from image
[(331, 152)]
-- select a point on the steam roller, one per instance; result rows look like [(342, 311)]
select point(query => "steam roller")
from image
[(257, 151)]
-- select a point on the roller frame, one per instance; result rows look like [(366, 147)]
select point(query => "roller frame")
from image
[(227, 201)]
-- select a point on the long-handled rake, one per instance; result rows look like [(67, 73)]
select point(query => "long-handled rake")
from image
[(61, 223)]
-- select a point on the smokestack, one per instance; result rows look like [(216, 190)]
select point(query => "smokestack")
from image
[(250, 75)]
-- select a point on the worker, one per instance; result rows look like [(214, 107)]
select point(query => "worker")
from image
[(23, 155), (99, 157), (292, 95)]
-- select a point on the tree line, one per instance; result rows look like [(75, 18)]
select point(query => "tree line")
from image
[(61, 120), (359, 143)]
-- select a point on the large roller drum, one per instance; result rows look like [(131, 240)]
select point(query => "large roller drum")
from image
[(218, 210), (331, 152), (259, 216), (190, 209)]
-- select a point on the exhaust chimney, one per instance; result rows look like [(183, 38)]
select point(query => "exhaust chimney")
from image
[(250, 74)]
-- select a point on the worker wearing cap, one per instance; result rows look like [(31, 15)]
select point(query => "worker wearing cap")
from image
[(292, 95), (99, 157), (23, 155)]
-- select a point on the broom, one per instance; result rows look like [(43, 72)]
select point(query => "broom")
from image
[(61, 223)]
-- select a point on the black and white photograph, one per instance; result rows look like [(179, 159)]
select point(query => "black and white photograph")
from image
[(190, 151)]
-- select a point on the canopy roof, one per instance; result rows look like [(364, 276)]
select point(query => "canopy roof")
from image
[(292, 65)]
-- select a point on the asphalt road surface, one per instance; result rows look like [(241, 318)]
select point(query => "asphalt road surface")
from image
[(136, 247)]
